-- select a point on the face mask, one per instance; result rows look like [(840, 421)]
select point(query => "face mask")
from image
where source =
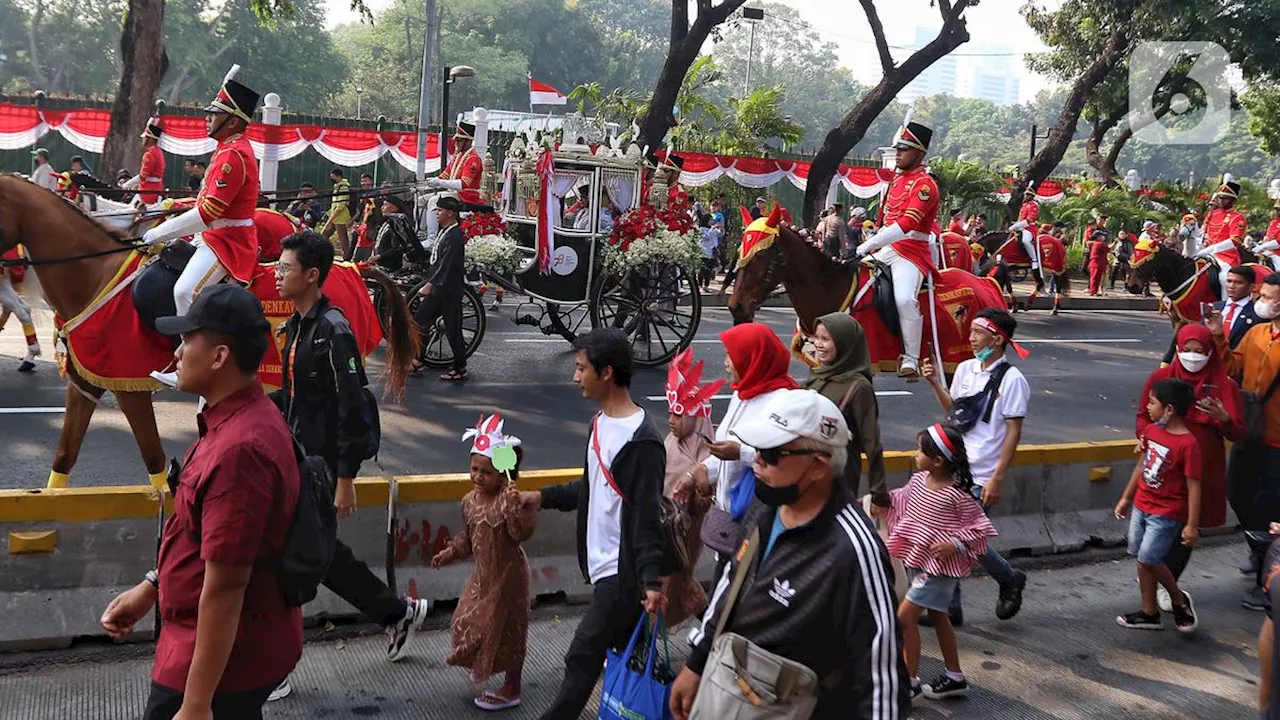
[(776, 496), (1265, 310), (1194, 362), (985, 354)]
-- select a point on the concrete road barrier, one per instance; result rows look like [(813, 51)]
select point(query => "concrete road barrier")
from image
[(68, 552)]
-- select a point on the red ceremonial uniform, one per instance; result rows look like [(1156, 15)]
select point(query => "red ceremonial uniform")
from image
[(227, 201), (1053, 256), (1225, 224), (272, 226), (1030, 211), (912, 203), (956, 252), (956, 227), (469, 168), (1273, 230), (151, 175)]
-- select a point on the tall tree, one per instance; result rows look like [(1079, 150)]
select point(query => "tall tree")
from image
[(143, 64), (684, 45), (842, 138)]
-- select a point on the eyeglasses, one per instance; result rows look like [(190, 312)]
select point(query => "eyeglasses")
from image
[(282, 269), (773, 456)]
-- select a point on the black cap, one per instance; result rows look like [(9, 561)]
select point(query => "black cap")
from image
[(914, 136), (401, 204), (449, 202), (225, 308)]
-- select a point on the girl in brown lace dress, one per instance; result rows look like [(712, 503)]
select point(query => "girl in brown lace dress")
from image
[(492, 618)]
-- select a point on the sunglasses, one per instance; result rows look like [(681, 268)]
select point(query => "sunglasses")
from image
[(773, 456)]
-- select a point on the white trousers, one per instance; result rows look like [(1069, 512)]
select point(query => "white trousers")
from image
[(1029, 244), (10, 300), (906, 288), (433, 225), (202, 270)]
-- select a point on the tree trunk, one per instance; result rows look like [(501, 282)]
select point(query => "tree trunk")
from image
[(1065, 129), (1105, 164), (853, 126), (143, 64), (686, 43)]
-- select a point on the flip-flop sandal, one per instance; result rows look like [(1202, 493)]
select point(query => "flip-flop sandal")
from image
[(454, 376), (492, 701)]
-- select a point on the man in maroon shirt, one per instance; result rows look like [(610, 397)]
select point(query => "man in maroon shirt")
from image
[(227, 636)]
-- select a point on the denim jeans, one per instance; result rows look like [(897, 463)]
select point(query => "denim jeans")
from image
[(993, 562)]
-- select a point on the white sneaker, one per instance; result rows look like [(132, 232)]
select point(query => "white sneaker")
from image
[(908, 367), (168, 379), (402, 632), (1163, 600), (281, 692)]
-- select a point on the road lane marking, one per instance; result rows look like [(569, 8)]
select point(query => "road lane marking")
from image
[(31, 410)]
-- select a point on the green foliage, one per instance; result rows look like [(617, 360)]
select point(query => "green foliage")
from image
[(63, 47), (1263, 104), (757, 123), (967, 186)]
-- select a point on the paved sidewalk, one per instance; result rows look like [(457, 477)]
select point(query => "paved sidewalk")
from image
[(1062, 657)]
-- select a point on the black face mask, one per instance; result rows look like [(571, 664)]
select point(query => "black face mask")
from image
[(776, 496)]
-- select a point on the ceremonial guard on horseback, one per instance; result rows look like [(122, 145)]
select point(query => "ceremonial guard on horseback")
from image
[(1268, 251), (462, 175), (1028, 217), (1224, 229), (150, 175), (907, 215)]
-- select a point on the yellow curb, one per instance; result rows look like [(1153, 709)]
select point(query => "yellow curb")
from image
[(29, 543)]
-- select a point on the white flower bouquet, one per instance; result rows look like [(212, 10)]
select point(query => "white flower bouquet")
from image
[(496, 254), (666, 246)]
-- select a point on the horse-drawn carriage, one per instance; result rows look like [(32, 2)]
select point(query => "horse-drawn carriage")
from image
[(568, 211)]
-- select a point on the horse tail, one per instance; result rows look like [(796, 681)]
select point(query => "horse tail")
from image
[(404, 340)]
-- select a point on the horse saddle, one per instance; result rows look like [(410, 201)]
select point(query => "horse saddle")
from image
[(1215, 280), (153, 289), (882, 296)]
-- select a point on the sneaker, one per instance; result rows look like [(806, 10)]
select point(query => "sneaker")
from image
[(1255, 599), (945, 687), (908, 367), (1184, 618), (1010, 601), (26, 366), (1140, 621), (281, 692), (402, 632), (1163, 600), (916, 690)]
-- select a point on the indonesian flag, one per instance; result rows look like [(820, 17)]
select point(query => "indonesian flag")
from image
[(544, 94)]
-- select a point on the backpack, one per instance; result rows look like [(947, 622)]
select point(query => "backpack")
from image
[(309, 545)]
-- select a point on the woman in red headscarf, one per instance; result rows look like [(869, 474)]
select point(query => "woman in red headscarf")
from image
[(1216, 417)]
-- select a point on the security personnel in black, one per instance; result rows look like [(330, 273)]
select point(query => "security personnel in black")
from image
[(442, 293), (396, 241), (324, 400)]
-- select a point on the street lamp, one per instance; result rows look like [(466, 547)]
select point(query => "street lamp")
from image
[(450, 74), (359, 97)]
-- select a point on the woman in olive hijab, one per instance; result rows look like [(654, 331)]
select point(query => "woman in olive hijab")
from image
[(844, 377)]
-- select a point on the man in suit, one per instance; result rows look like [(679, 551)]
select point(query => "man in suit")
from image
[(442, 292), (1237, 310)]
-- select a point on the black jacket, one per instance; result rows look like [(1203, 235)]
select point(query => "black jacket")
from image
[(1241, 324), (446, 261), (322, 393), (823, 597), (397, 242), (640, 469)]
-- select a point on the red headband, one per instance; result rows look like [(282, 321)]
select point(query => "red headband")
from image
[(939, 435), (994, 329)]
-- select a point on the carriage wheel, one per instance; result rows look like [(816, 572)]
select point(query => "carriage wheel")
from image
[(568, 321), (436, 352), (657, 305)]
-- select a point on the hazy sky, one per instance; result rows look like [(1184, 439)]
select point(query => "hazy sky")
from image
[(992, 23)]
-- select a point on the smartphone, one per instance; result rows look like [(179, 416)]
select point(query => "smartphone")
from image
[(1206, 309)]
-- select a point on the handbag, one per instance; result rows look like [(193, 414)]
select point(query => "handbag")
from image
[(719, 531), (965, 411), (742, 681), (882, 529), (636, 689), (1255, 412)]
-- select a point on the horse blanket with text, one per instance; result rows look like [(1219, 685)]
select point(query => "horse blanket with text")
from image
[(1012, 252), (109, 343), (958, 296), (344, 287)]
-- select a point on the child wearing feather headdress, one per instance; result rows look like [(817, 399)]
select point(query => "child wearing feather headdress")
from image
[(492, 619), (688, 444)]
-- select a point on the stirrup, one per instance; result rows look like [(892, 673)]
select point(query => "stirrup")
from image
[(168, 379)]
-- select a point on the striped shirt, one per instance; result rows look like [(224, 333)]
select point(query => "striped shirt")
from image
[(922, 517)]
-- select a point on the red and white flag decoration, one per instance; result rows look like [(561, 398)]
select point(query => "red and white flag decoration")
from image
[(544, 94), (546, 239)]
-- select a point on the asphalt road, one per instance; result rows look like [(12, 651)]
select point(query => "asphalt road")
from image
[(1085, 370)]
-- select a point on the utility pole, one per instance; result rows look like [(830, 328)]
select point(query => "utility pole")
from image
[(1035, 135), (424, 97), (753, 15)]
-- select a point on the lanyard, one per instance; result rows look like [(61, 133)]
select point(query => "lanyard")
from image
[(604, 467)]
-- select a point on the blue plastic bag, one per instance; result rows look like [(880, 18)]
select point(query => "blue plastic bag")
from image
[(741, 494), (634, 694)]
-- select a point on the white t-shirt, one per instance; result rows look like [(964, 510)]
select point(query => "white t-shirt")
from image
[(983, 443), (604, 512), (43, 176)]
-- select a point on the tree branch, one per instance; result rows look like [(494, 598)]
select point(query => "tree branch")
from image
[(679, 21), (877, 30)]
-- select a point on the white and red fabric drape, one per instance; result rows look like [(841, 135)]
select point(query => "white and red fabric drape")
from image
[(22, 126), (547, 211)]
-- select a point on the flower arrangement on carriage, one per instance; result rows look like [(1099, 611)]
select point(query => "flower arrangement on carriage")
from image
[(646, 234), (490, 247)]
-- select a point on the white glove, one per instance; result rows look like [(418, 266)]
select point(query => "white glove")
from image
[(454, 185), (1215, 248), (1018, 226), (431, 182), (188, 223), (132, 183), (1267, 246), (887, 236)]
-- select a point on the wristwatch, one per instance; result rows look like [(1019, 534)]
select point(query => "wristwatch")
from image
[(152, 577)]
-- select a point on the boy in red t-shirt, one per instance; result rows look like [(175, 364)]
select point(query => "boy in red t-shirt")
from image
[(1166, 483)]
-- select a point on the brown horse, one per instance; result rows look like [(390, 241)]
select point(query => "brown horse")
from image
[(1006, 249), (818, 285), (75, 259)]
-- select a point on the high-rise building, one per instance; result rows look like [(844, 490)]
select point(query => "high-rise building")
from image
[(990, 76), (940, 77)]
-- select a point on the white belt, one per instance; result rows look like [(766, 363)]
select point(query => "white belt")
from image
[(152, 179), (917, 235), (231, 222)]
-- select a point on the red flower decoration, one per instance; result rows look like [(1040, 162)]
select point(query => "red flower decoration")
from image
[(477, 224)]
